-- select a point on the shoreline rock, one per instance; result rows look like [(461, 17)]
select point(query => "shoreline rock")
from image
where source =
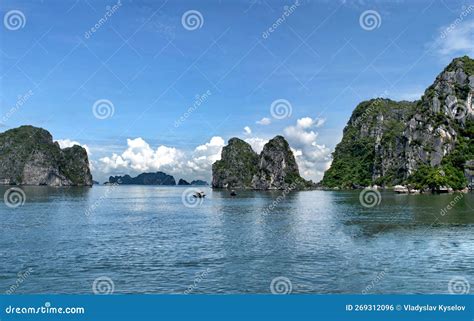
[(29, 156), (274, 169)]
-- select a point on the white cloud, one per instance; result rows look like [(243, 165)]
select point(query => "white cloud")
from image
[(65, 143), (139, 157), (456, 39), (264, 121), (247, 130), (256, 143), (205, 155), (312, 158), (308, 122)]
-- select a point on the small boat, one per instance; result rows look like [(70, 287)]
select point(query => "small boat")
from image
[(233, 193), (199, 195)]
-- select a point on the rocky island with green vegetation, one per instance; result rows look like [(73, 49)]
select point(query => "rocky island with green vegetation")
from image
[(29, 156), (426, 145), (242, 168)]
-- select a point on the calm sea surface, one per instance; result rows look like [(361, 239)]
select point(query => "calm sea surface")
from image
[(146, 241)]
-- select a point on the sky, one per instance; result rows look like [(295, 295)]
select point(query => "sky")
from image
[(151, 86)]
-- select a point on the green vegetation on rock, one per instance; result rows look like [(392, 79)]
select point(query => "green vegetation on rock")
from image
[(28, 156), (426, 143)]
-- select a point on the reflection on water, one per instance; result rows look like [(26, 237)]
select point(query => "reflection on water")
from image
[(147, 241)]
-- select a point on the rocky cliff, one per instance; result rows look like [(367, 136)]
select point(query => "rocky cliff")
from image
[(241, 168), (425, 143), (158, 178), (28, 156)]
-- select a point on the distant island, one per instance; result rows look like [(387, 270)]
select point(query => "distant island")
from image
[(28, 156), (423, 145), (274, 169), (158, 178), (197, 182)]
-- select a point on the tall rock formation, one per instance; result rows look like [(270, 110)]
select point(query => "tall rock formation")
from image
[(426, 143), (241, 168), (28, 156), (277, 166), (237, 166)]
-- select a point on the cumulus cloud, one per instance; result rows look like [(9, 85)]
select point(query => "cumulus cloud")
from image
[(264, 121), (456, 39), (140, 157), (65, 143), (256, 143), (312, 158), (247, 130), (205, 155), (308, 122)]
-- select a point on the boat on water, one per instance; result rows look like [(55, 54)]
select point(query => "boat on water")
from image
[(199, 195)]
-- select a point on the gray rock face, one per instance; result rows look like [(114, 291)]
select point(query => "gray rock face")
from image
[(277, 166), (385, 142), (241, 168), (28, 156), (237, 166)]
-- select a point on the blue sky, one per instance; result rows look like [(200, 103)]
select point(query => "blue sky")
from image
[(322, 60)]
